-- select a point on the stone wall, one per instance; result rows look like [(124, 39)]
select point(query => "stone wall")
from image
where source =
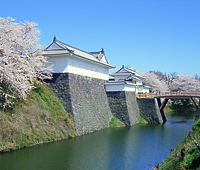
[(85, 98), (149, 110), (124, 106)]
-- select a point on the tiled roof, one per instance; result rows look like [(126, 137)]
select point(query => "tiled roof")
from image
[(127, 71), (78, 52)]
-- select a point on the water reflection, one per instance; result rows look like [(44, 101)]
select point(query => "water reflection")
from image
[(137, 147)]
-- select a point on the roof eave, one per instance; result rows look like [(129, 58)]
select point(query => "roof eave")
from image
[(120, 83), (55, 52), (98, 62)]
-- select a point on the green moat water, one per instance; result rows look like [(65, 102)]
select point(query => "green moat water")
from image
[(137, 147)]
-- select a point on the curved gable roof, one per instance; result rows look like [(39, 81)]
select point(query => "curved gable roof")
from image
[(58, 47), (124, 71)]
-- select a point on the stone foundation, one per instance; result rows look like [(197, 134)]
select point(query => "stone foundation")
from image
[(124, 106), (92, 108), (85, 98), (149, 110)]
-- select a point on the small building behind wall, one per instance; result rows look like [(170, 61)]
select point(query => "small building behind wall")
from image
[(126, 79), (121, 95)]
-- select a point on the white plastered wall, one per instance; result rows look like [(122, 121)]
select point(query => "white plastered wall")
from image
[(145, 90), (119, 87), (139, 82), (126, 87), (75, 65)]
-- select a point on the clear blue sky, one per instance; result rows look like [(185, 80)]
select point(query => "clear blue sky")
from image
[(161, 35)]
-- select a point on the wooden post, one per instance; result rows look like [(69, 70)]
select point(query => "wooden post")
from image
[(164, 104), (161, 111), (194, 103)]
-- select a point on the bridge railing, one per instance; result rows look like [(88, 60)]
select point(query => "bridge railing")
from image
[(178, 93), (145, 95)]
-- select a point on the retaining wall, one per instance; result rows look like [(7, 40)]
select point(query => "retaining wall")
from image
[(85, 98), (123, 105), (92, 108), (149, 110)]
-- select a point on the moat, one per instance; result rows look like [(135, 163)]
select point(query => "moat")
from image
[(138, 147)]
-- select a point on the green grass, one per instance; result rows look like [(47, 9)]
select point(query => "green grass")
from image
[(196, 125), (168, 109), (115, 122), (39, 118), (186, 106), (142, 121)]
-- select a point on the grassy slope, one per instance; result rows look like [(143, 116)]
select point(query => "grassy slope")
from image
[(115, 122), (38, 119), (142, 121), (187, 154)]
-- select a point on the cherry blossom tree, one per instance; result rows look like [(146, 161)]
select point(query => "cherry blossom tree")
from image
[(21, 60), (156, 84), (185, 83), (172, 82)]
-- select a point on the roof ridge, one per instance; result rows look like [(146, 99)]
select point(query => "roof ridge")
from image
[(75, 48), (63, 47), (90, 53), (129, 69), (95, 52), (121, 69)]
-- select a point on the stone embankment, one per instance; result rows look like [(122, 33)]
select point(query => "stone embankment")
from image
[(149, 110), (85, 98), (92, 108), (123, 105)]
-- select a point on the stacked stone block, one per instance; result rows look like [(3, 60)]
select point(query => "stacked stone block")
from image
[(149, 110), (123, 105), (85, 98)]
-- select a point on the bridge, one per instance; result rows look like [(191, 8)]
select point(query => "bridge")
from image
[(170, 95)]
